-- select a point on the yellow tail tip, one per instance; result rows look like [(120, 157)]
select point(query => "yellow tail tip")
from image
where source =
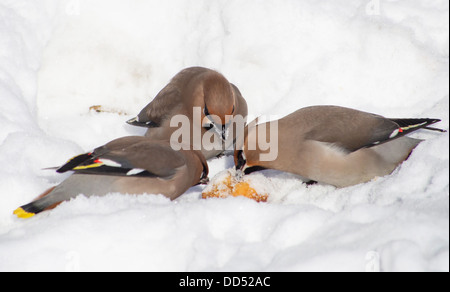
[(21, 213)]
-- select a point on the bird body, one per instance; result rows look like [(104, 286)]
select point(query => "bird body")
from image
[(333, 145), (217, 102), (128, 165)]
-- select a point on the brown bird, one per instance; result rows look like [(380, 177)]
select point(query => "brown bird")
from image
[(333, 145), (129, 165), (209, 102)]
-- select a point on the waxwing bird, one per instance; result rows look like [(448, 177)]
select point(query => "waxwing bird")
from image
[(333, 145), (129, 165), (210, 103)]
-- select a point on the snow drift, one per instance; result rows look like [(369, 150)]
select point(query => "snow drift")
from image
[(58, 58)]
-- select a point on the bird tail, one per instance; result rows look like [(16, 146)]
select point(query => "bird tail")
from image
[(41, 203), (145, 124), (410, 125)]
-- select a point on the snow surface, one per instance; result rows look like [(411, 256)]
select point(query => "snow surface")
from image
[(58, 58)]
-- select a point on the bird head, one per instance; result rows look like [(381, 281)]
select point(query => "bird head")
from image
[(219, 107)]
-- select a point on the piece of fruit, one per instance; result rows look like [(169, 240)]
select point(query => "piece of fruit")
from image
[(226, 186)]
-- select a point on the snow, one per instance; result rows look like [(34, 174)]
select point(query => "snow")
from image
[(58, 58)]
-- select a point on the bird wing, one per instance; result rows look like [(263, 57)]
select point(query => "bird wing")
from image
[(159, 109), (168, 100), (145, 158), (353, 130)]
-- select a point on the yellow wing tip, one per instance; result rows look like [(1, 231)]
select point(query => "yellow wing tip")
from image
[(83, 167), (21, 213)]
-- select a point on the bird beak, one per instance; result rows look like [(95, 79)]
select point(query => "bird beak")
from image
[(221, 130), (204, 181), (224, 132), (239, 164), (239, 161)]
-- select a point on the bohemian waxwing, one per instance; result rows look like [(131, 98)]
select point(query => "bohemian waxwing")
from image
[(333, 145), (129, 165), (217, 102)]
